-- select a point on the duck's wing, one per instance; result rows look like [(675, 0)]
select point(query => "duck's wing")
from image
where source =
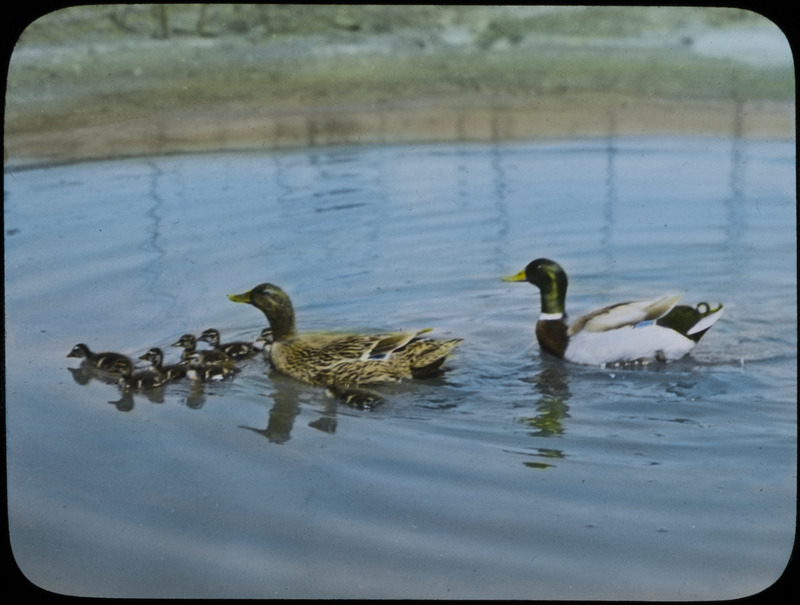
[(389, 343), (357, 347), (624, 314)]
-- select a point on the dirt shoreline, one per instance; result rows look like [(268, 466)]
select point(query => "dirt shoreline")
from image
[(469, 76), (227, 128)]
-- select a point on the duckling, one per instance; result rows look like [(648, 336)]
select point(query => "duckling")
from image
[(156, 358), (344, 361), (628, 332), (263, 341), (143, 380), (114, 363), (210, 372), (235, 350), (190, 353)]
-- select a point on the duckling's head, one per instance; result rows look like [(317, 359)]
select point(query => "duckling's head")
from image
[(155, 356), (550, 278), (187, 341), (275, 304), (210, 336), (265, 337), (263, 342), (79, 350)]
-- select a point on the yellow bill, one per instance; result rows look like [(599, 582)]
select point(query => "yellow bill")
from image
[(240, 298), (516, 277)]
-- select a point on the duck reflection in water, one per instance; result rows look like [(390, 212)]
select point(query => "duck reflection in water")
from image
[(552, 385), (281, 418), (87, 372), (287, 407)]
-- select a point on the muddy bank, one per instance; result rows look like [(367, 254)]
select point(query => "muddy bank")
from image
[(91, 83), (226, 127)]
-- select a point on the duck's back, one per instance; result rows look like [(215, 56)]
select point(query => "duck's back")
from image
[(624, 314), (325, 359)]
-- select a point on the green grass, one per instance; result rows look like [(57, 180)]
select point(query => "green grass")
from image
[(240, 59)]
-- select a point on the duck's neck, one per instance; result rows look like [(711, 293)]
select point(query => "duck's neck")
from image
[(551, 329), (281, 321), (552, 298)]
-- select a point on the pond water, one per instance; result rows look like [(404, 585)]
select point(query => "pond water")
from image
[(511, 476)]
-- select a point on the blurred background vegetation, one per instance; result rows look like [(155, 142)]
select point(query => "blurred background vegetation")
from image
[(123, 79)]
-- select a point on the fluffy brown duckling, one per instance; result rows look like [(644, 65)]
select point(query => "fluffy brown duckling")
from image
[(143, 380), (235, 350), (156, 358), (188, 342), (114, 363), (210, 372)]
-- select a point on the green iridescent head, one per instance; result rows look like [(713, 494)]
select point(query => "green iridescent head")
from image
[(549, 277)]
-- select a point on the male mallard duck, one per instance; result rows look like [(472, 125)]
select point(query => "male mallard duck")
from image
[(190, 353), (114, 363), (156, 358), (235, 350), (343, 360), (627, 332)]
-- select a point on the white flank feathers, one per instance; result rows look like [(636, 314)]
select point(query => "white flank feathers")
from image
[(627, 344)]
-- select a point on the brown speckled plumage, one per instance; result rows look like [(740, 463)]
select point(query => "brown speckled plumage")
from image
[(344, 360), (235, 350), (113, 363)]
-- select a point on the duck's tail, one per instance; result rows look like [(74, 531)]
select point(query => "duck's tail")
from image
[(427, 356), (692, 322)]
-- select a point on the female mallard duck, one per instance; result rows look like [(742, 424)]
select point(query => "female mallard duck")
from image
[(113, 363), (344, 361), (235, 350), (191, 355), (156, 358), (622, 333)]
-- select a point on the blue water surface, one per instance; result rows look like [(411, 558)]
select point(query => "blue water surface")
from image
[(511, 476)]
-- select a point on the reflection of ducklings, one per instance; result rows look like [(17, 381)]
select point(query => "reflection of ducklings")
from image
[(115, 363), (190, 353), (235, 350), (156, 358)]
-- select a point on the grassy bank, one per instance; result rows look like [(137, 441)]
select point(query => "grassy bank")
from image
[(97, 81)]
